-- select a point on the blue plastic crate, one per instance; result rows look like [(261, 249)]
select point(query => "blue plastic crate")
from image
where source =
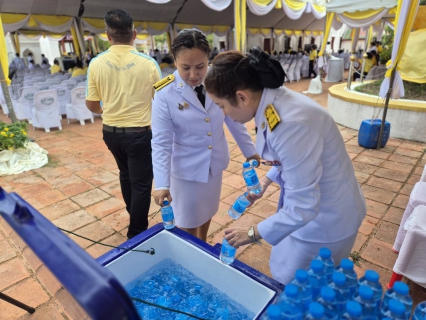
[(368, 134)]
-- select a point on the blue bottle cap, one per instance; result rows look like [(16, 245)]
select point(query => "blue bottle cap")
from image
[(325, 253), (274, 312), (338, 278), (353, 308), (317, 266), (396, 307), (400, 288), (291, 290), (254, 163), (347, 264), (365, 292), (328, 294), (372, 276), (246, 165), (166, 202), (301, 275), (245, 194), (316, 310)]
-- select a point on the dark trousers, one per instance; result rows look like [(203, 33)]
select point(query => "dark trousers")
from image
[(311, 69), (132, 152), (357, 75)]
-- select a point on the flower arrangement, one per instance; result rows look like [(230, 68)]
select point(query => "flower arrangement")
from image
[(13, 136)]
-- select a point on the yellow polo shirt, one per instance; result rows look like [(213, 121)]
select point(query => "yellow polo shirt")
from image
[(368, 65), (123, 78), (55, 69), (313, 54), (78, 72)]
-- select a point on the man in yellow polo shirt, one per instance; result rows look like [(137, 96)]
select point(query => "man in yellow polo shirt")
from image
[(123, 79), (55, 68), (312, 58)]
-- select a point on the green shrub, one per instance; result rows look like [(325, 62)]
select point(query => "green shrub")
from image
[(13, 136)]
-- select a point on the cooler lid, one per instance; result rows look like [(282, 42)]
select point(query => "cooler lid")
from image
[(95, 288)]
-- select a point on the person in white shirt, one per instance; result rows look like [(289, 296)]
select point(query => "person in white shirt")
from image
[(18, 62), (30, 59), (321, 203), (373, 46)]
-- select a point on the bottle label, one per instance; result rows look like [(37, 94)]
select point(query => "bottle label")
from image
[(237, 206), (251, 180)]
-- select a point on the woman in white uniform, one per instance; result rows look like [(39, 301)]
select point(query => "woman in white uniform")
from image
[(321, 203), (189, 148)]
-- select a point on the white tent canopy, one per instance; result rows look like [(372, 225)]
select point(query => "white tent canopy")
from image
[(191, 12)]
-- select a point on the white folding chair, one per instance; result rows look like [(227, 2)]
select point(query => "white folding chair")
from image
[(67, 75), (297, 70), (54, 81), (50, 76), (45, 112), (62, 92), (71, 84), (28, 83), (79, 78), (77, 108), (81, 84), (42, 85), (26, 103), (39, 78)]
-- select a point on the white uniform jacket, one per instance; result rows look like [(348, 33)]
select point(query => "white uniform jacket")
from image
[(188, 140), (320, 199)]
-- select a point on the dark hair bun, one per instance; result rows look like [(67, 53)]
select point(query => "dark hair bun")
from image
[(271, 73)]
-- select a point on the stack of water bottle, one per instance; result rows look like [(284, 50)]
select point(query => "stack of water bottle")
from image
[(227, 253), (325, 292)]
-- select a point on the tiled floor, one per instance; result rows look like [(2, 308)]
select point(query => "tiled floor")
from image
[(79, 190)]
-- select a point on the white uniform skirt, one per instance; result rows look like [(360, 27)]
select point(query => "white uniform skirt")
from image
[(195, 203), (292, 254)]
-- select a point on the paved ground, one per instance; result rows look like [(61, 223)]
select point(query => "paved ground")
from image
[(79, 190)]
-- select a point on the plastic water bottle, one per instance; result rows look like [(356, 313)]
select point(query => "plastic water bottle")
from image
[(316, 311), (400, 292), (239, 206), (347, 268), (327, 299), (227, 253), (420, 311), (364, 297), (168, 216), (301, 280), (290, 304), (324, 256), (317, 277), (353, 311), (394, 310), (251, 179), (371, 279), (253, 163), (273, 313), (338, 284)]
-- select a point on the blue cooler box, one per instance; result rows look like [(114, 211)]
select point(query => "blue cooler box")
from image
[(368, 134), (98, 285)]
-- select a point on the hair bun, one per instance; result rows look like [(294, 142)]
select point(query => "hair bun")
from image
[(270, 70)]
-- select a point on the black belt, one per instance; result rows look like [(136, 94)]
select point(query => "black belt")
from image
[(125, 129)]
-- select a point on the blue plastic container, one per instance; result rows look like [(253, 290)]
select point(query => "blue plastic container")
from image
[(106, 276), (368, 134)]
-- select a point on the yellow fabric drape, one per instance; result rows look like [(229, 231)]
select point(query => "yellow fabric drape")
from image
[(9, 18), (96, 23), (413, 63), (4, 61), (328, 22), (319, 9), (17, 43), (278, 32), (288, 33), (220, 29), (237, 11), (298, 33), (411, 15), (370, 35), (295, 5), (143, 36), (359, 15), (262, 2), (157, 25), (75, 41), (279, 4), (182, 26), (243, 25), (48, 20), (420, 22), (254, 30)]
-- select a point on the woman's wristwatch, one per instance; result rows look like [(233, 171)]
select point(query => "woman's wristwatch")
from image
[(251, 234)]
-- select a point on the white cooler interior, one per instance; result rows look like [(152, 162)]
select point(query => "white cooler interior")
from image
[(239, 287)]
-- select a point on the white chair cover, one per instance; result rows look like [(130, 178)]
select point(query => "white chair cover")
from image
[(54, 81), (290, 73), (28, 83), (26, 103), (42, 85), (71, 84), (39, 78), (67, 75), (63, 96), (305, 67), (77, 108), (50, 76), (297, 70), (83, 84), (45, 112), (315, 87)]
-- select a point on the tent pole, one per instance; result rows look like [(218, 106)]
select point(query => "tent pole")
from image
[(9, 104), (388, 95)]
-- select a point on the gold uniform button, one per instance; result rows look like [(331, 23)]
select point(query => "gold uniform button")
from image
[(210, 147), (207, 120), (263, 125), (209, 134)]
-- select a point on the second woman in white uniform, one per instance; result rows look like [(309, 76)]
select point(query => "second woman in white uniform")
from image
[(189, 148), (321, 203)]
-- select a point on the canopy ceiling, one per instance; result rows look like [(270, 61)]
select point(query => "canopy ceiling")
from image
[(193, 12)]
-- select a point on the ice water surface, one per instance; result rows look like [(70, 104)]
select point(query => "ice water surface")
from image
[(170, 285)]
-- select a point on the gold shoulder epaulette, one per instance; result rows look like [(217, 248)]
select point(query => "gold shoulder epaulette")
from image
[(272, 116), (164, 82)]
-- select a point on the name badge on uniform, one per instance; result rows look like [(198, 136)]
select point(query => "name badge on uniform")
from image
[(183, 106)]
